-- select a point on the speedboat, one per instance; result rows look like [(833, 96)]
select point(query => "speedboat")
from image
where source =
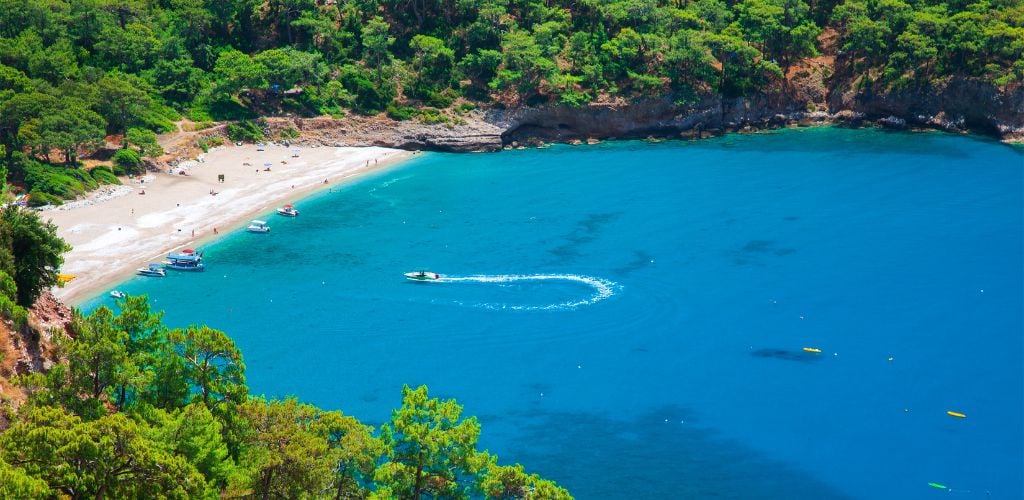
[(422, 276), (117, 294), (186, 260), (258, 226), (288, 211), (153, 270)]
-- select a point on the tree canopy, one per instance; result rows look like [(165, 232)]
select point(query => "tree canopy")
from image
[(72, 73)]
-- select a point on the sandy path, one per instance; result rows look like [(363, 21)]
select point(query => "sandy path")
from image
[(118, 229)]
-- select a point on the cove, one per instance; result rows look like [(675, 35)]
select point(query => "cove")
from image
[(629, 319)]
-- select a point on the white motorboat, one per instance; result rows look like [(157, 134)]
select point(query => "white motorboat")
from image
[(422, 276), (156, 270), (258, 226), (288, 210), (117, 294)]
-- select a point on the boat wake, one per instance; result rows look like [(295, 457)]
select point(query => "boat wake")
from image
[(602, 289)]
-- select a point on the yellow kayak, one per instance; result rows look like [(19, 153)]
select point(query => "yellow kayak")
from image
[(956, 414), (812, 349)]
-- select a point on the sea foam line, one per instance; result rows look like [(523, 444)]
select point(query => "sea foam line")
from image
[(602, 288)]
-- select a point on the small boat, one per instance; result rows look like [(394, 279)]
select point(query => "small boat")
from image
[(153, 270), (288, 211), (186, 260), (812, 349), (117, 294), (258, 226), (422, 276), (956, 414)]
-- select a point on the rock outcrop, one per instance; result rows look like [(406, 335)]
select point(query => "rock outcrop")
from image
[(956, 105)]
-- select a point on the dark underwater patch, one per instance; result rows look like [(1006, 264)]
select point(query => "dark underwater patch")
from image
[(669, 453), (787, 354)]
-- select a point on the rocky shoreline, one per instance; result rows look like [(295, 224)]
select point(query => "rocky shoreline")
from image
[(959, 105)]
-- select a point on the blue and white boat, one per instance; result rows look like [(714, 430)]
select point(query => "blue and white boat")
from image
[(186, 260)]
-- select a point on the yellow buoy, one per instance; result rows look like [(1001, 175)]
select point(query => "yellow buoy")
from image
[(956, 414), (812, 349)]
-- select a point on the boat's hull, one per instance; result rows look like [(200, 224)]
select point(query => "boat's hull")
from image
[(258, 229), (176, 267), (147, 272), (287, 213)]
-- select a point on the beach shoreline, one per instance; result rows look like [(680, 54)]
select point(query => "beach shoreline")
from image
[(119, 229)]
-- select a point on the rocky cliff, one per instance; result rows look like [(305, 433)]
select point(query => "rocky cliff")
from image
[(812, 92), (956, 105), (30, 349)]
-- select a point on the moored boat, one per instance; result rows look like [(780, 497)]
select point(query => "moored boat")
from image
[(258, 226), (422, 276), (288, 211), (186, 260), (117, 294), (153, 270)]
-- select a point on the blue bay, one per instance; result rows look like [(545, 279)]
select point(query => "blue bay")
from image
[(637, 317)]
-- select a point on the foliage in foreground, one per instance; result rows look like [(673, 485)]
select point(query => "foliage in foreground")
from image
[(141, 410), (31, 253)]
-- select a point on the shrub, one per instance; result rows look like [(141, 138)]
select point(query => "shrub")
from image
[(245, 130), (209, 142), (441, 99), (104, 175), (432, 116), (61, 182), (129, 160), (39, 198), (289, 133), (401, 113)]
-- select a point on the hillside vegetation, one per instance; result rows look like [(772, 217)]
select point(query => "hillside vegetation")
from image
[(75, 72), (139, 410)]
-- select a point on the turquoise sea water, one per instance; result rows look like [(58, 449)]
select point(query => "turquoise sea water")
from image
[(661, 354)]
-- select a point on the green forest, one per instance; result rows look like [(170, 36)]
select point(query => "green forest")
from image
[(73, 72), (141, 409), (136, 409)]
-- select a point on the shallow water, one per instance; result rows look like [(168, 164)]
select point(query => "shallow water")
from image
[(629, 319)]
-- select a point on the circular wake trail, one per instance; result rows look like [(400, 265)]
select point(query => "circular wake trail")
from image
[(602, 289)]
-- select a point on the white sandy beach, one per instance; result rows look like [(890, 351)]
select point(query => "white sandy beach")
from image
[(119, 229)]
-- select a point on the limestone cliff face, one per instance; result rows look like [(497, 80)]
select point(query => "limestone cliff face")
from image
[(956, 104), (812, 92), (474, 135)]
